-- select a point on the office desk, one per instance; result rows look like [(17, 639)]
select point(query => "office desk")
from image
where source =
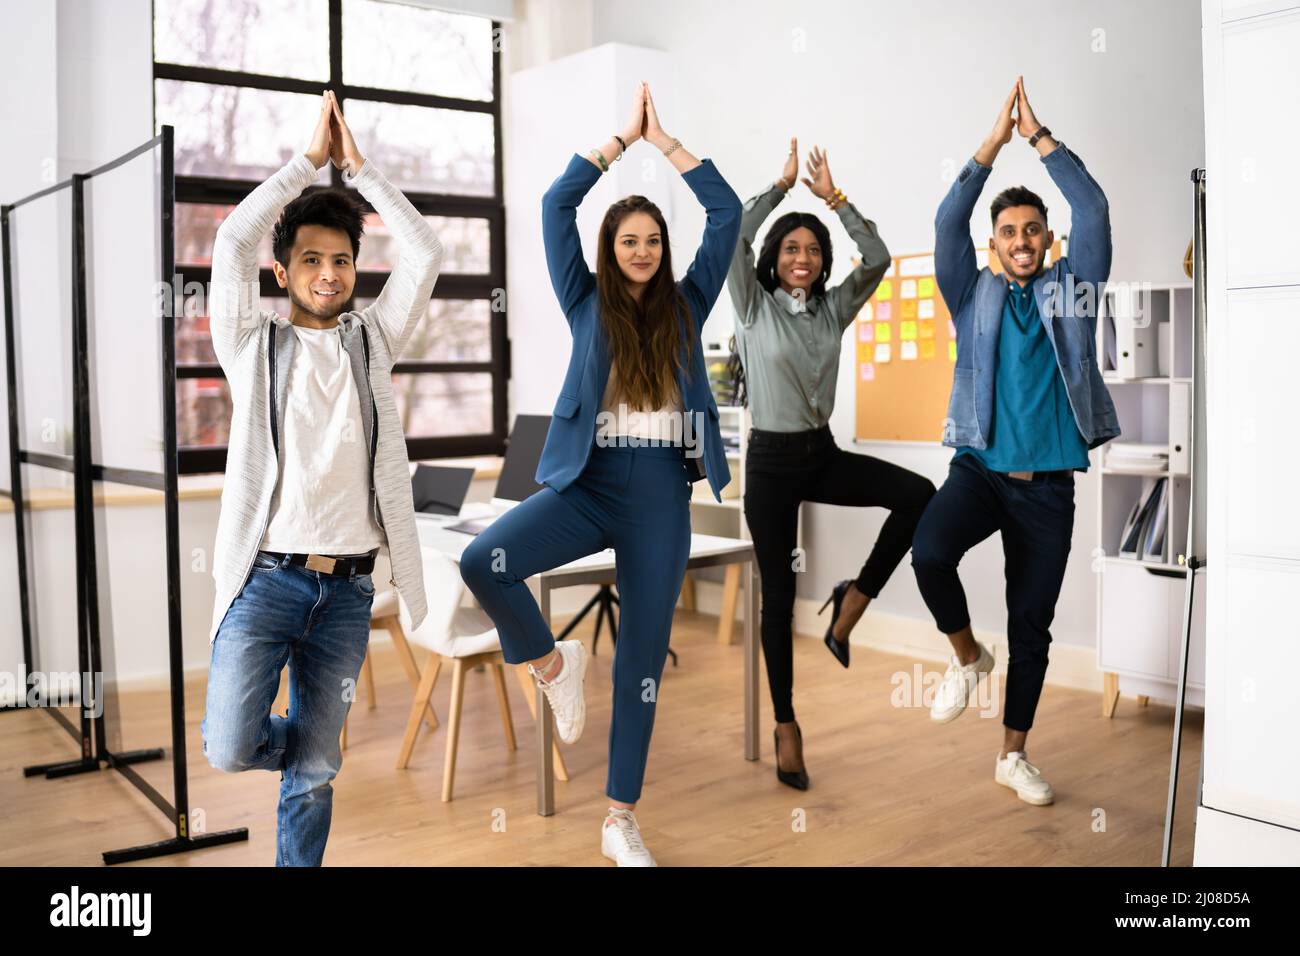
[(707, 551)]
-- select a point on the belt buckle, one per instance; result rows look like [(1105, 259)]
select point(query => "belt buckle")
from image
[(319, 562), (1022, 475)]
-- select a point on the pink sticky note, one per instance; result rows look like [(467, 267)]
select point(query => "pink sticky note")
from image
[(868, 371), (884, 311), (952, 329), (866, 332)]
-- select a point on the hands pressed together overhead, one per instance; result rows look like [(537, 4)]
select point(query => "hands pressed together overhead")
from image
[(332, 139)]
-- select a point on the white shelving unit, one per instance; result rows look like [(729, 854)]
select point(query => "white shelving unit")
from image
[(1140, 601), (727, 517)]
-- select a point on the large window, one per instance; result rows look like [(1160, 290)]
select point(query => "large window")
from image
[(240, 81)]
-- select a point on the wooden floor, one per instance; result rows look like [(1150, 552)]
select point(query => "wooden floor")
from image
[(888, 787)]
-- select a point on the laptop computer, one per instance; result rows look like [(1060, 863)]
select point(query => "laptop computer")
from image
[(440, 490)]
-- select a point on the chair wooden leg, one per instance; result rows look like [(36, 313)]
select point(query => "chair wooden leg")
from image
[(1109, 693), (404, 654), (432, 667), (368, 675), (730, 591), (688, 592), (499, 679), (453, 727), (526, 682)]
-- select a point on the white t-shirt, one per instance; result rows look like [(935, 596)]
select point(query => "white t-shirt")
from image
[(322, 499)]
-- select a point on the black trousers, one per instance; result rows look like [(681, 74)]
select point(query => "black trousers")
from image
[(1036, 519), (783, 469)]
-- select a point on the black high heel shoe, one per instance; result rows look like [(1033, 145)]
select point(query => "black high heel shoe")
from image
[(791, 778), (839, 648)]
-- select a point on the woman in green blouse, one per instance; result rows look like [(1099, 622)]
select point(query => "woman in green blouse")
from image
[(788, 332)]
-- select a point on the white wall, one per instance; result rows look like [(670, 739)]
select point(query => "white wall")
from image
[(901, 94), (78, 92)]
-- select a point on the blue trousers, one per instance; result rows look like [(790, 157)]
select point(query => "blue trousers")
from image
[(319, 625), (635, 500)]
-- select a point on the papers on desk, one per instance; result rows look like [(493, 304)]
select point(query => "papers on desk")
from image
[(1145, 530)]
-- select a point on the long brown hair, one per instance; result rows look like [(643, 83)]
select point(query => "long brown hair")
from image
[(646, 337)]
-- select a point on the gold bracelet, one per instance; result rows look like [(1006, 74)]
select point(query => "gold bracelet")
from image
[(676, 143)]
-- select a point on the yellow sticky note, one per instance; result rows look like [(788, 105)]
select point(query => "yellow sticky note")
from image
[(925, 329), (907, 330), (925, 288), (927, 348), (909, 309), (882, 331), (952, 351), (885, 290)]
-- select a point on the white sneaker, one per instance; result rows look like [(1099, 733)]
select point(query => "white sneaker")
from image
[(565, 692), (1024, 778), (959, 680), (620, 840)]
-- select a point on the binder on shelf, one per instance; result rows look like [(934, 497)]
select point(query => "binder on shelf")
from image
[(1180, 427), (1143, 535), (1135, 336)]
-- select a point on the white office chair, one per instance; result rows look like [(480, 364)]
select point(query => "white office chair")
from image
[(384, 615), (463, 635)]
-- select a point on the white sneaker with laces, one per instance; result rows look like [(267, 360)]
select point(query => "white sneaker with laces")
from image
[(959, 680), (565, 692), (620, 839), (1024, 778)]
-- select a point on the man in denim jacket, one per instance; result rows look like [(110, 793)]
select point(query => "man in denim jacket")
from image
[(1027, 405)]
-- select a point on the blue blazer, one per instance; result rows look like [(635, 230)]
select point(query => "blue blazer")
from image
[(573, 424)]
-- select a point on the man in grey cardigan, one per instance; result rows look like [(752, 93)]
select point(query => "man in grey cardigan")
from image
[(317, 478)]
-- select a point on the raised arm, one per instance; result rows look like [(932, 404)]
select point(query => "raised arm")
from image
[(708, 270), (742, 276), (404, 299), (233, 296), (847, 298), (954, 253), (1090, 244), (570, 277)]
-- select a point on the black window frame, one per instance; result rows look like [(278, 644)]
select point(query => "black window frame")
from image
[(199, 459)]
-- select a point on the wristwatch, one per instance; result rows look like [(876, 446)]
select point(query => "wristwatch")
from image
[(1042, 131)]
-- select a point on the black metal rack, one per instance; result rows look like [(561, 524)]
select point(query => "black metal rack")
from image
[(95, 752)]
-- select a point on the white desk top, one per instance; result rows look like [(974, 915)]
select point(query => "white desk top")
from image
[(434, 534)]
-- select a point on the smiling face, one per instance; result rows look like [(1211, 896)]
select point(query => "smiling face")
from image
[(799, 261), (320, 272), (1021, 240), (638, 248)]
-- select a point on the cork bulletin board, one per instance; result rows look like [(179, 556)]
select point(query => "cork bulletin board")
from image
[(906, 350)]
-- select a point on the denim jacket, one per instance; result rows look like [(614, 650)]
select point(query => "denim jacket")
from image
[(1068, 293)]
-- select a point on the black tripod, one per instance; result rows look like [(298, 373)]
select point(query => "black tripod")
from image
[(603, 600)]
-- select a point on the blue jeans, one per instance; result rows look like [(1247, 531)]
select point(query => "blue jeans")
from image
[(635, 500), (320, 625)]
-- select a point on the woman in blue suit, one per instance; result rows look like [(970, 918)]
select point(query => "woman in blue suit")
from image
[(634, 425)]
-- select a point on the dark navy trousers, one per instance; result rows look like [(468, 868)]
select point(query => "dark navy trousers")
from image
[(635, 500), (1036, 520)]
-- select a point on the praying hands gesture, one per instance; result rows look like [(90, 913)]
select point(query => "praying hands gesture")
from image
[(332, 139)]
